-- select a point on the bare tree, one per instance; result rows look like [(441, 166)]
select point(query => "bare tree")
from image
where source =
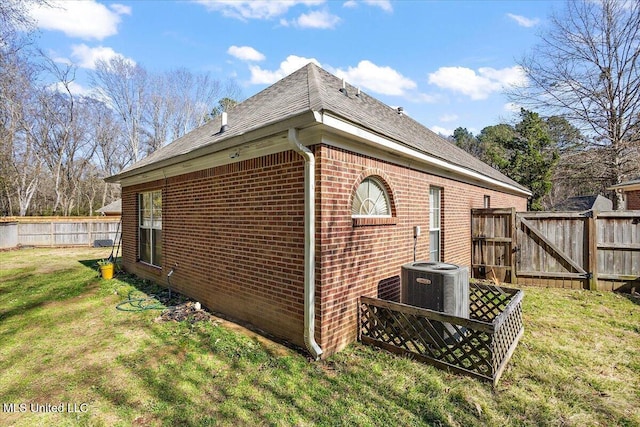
[(587, 69), (63, 129), (179, 101), (159, 111), (56, 145), (110, 155), (20, 163), (16, 24), (124, 86)]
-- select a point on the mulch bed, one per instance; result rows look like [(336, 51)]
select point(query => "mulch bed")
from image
[(189, 311)]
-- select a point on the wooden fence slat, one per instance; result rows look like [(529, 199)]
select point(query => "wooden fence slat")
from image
[(551, 274), (552, 246), (65, 231), (592, 250)]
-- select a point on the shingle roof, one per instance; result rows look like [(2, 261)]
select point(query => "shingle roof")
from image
[(584, 203), (113, 207), (311, 88)]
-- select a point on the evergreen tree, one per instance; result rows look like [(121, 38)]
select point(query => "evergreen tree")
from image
[(533, 157)]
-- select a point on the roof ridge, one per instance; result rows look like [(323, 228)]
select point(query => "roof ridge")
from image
[(314, 89), (313, 86)]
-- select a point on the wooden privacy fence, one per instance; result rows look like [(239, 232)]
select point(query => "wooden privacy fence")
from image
[(479, 346), (586, 250), (58, 231)]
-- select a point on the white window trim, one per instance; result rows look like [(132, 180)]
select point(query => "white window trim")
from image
[(433, 229), (153, 226), (385, 193)]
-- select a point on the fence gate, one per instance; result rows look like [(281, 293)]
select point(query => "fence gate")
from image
[(583, 250), (493, 247), (553, 249)]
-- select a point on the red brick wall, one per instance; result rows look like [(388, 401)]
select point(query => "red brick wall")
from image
[(633, 200), (365, 260), (236, 233)]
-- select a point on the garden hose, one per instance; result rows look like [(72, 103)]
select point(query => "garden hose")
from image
[(140, 304), (151, 302)]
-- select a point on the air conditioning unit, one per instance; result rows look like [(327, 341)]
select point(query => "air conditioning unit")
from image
[(437, 286)]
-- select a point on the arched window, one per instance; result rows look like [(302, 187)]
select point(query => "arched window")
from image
[(371, 200)]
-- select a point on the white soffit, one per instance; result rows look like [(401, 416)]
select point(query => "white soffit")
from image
[(231, 155)]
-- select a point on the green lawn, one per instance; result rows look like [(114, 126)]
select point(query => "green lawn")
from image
[(62, 341)]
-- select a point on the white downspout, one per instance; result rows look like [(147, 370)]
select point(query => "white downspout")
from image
[(309, 243)]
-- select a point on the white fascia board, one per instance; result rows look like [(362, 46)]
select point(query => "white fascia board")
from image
[(404, 151), (625, 187), (252, 144), (219, 158)]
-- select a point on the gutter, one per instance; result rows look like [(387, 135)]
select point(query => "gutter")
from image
[(309, 243)]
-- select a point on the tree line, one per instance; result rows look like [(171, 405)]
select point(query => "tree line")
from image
[(578, 131), (549, 156), (585, 75), (58, 144)]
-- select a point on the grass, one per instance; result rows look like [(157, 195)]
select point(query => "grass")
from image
[(63, 341)]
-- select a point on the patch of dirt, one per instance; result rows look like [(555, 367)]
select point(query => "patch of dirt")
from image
[(188, 311)]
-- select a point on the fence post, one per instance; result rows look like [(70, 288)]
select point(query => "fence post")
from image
[(514, 248), (592, 252)]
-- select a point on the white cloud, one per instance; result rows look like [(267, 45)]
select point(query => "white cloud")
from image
[(383, 80), (83, 19), (74, 88), (448, 118), (442, 131), (120, 9), (245, 53), (288, 66), (59, 59), (424, 98), (477, 85), (511, 107), (254, 9), (86, 57), (382, 4), (524, 21), (317, 19)]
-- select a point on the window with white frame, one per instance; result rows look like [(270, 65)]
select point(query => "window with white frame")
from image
[(371, 200), (434, 223), (150, 227)]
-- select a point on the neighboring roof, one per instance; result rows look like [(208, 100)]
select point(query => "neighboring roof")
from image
[(584, 203), (312, 89), (113, 207), (627, 185)]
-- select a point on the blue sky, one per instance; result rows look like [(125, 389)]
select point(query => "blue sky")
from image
[(445, 62)]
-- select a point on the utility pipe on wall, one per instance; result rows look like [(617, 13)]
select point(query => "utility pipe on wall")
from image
[(309, 243)]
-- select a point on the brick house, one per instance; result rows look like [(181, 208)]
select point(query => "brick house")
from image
[(286, 209), (630, 193)]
